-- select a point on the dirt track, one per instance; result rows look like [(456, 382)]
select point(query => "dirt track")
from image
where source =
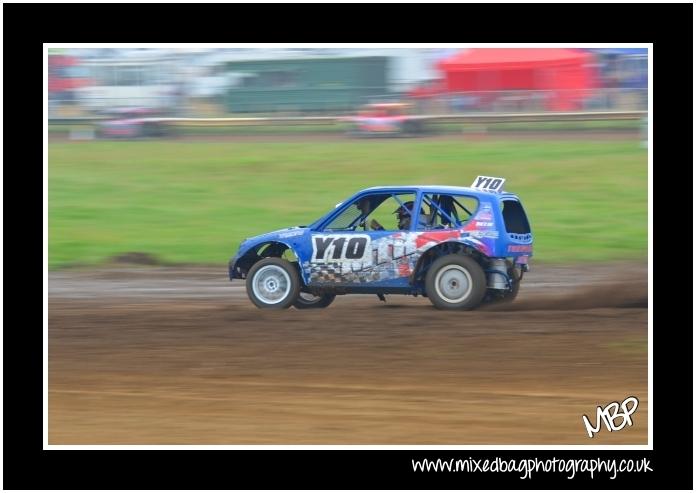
[(161, 355)]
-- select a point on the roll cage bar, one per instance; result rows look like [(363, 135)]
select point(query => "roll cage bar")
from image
[(435, 207)]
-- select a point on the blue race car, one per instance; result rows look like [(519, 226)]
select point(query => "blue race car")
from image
[(461, 247)]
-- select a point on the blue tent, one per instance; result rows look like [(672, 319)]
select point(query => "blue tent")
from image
[(630, 64), (620, 51)]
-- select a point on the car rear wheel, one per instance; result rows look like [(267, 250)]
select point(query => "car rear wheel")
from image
[(308, 300), (273, 283), (455, 282), (498, 296)]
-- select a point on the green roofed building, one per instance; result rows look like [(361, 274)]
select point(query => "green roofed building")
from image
[(305, 85)]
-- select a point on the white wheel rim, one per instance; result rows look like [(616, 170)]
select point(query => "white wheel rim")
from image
[(453, 283), (271, 284)]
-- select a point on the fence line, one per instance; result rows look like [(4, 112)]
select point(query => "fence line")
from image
[(330, 120)]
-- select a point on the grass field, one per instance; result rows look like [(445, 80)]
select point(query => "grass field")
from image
[(195, 201)]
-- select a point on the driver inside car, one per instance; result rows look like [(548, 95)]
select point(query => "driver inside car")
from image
[(365, 207), (403, 214)]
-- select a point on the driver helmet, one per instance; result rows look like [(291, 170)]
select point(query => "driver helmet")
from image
[(403, 213)]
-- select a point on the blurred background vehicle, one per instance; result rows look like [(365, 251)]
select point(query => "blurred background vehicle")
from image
[(379, 119), (132, 123)]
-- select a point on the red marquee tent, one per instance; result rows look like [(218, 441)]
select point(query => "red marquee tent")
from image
[(566, 73)]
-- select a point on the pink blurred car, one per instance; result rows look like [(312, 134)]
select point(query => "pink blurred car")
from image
[(131, 123), (385, 119)]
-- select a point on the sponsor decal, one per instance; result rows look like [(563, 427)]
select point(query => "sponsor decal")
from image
[(337, 248), (433, 237), (290, 234), (519, 248), (485, 212), (483, 234)]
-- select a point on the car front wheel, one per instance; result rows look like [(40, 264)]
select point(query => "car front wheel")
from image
[(273, 283), (455, 282)]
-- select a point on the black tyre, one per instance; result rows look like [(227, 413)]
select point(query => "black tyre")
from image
[(307, 301), (273, 283), (512, 294), (455, 282), (497, 296)]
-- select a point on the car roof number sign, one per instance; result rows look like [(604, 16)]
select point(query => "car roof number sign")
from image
[(488, 184)]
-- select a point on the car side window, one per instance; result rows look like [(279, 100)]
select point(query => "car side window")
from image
[(375, 212), (446, 211)]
